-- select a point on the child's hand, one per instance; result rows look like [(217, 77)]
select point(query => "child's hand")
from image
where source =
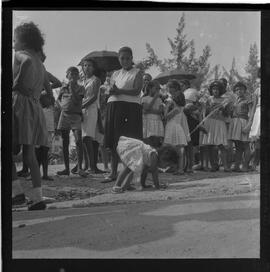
[(113, 90)]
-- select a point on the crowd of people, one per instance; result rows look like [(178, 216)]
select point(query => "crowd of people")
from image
[(126, 117)]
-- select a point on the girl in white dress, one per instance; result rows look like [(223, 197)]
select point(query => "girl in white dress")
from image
[(176, 129), (153, 129), (90, 132)]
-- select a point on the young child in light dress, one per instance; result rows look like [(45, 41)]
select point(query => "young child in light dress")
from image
[(139, 159), (176, 129), (153, 129)]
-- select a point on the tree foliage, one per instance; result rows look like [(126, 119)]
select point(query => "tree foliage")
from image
[(183, 56)]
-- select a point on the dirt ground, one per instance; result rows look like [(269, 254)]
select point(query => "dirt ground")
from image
[(199, 183)]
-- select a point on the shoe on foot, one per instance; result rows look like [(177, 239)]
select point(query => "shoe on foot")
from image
[(108, 179), (99, 171), (18, 199), (74, 170), (47, 178), (23, 174), (117, 190), (37, 206), (63, 173), (82, 173), (235, 169)]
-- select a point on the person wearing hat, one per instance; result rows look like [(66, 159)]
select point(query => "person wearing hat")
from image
[(184, 84), (216, 138), (237, 132)]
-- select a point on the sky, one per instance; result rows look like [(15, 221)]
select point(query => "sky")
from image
[(70, 35)]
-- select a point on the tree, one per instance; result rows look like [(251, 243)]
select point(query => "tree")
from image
[(232, 75), (183, 56), (252, 67)]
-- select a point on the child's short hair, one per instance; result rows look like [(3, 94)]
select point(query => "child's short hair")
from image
[(172, 83), (168, 153), (150, 85), (185, 82), (179, 99), (239, 84), (72, 69), (125, 49), (30, 35)]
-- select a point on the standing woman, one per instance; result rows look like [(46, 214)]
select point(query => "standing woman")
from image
[(124, 111), (29, 125), (90, 130)]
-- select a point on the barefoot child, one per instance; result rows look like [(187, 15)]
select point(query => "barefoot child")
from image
[(70, 98), (217, 137), (139, 159), (237, 132), (153, 129), (176, 129)]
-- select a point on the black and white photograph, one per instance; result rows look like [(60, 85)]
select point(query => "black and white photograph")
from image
[(136, 134)]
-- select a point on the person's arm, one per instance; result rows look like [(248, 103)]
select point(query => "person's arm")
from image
[(154, 169), (54, 82), (48, 88), (88, 101), (59, 98), (137, 87), (144, 176), (23, 61), (172, 113), (77, 95)]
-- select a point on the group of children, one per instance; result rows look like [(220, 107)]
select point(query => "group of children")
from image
[(221, 125), (172, 128)]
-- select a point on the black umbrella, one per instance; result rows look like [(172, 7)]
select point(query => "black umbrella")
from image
[(164, 77), (106, 60)]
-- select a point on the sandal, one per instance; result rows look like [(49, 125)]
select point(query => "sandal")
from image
[(108, 180), (117, 190)]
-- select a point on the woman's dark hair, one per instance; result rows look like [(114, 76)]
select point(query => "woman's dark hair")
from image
[(172, 83), (219, 85), (179, 99), (97, 71), (168, 153), (125, 49), (30, 35)]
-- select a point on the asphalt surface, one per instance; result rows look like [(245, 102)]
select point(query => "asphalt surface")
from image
[(216, 227)]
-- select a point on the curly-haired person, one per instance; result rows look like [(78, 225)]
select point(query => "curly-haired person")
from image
[(29, 124)]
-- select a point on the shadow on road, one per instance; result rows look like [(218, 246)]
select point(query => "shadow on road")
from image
[(118, 230)]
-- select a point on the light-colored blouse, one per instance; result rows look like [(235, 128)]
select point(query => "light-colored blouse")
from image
[(125, 80)]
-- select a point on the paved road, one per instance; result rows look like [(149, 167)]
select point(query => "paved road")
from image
[(224, 227)]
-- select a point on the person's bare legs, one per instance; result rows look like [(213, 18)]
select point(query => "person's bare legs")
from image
[(114, 164), (127, 181), (121, 177)]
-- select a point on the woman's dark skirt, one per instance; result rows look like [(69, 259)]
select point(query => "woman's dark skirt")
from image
[(122, 119)]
